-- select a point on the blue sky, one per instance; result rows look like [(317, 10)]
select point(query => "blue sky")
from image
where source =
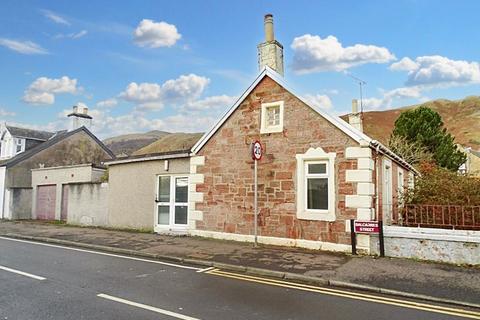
[(178, 65)]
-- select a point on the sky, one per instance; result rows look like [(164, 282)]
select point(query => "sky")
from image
[(179, 65)]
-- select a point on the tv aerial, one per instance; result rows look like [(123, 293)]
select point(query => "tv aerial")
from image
[(361, 84)]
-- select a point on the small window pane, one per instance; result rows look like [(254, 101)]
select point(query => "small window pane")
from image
[(273, 116), (164, 189), (164, 215), (181, 214), (317, 193), (181, 190), (317, 168)]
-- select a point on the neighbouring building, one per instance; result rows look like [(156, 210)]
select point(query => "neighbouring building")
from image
[(15, 140), (52, 188), (65, 148), (472, 165), (149, 190)]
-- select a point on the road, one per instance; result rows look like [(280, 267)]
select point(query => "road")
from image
[(41, 281)]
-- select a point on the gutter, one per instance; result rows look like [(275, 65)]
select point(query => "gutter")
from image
[(383, 149), (149, 158)]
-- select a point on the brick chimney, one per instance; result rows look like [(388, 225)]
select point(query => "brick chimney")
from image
[(356, 118), (270, 52)]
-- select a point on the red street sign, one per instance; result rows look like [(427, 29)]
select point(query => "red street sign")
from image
[(257, 150), (367, 227)]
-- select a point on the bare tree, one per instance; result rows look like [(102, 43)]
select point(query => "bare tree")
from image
[(412, 152)]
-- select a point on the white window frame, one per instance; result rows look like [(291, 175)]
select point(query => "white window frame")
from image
[(310, 157), (411, 180), (19, 143), (400, 181), (264, 127), (172, 203), (400, 185), (387, 190)]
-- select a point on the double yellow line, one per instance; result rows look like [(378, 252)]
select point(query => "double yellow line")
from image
[(351, 295)]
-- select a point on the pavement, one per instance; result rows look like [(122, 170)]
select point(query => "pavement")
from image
[(44, 281), (401, 277)]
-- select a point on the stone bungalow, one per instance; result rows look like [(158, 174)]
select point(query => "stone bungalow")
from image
[(317, 172)]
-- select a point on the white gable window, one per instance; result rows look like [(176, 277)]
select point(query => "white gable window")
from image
[(272, 117), (19, 145), (316, 185)]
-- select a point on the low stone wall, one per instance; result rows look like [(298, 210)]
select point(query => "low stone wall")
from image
[(88, 204), (443, 245)]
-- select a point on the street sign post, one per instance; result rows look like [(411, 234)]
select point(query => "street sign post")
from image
[(367, 227), (256, 155)]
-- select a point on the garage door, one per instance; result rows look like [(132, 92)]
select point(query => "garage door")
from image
[(46, 196)]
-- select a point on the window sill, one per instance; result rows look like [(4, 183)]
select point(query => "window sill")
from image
[(316, 215), (271, 130)]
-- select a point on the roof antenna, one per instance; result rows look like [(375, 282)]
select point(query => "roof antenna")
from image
[(361, 83)]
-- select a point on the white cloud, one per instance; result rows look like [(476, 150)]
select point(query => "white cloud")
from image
[(211, 103), (405, 64), (187, 123), (438, 71), (108, 103), (155, 34), (105, 124), (142, 92), (390, 96), (314, 54), (79, 34), (186, 87), (73, 35), (178, 91), (55, 17), (321, 101), (43, 90), (6, 113), (24, 47), (372, 103)]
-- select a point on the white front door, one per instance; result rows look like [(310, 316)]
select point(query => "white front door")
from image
[(171, 203)]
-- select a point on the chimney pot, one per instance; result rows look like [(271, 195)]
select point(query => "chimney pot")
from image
[(268, 23), (354, 106)]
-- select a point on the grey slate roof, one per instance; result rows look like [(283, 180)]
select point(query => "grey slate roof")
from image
[(59, 136), (29, 133)]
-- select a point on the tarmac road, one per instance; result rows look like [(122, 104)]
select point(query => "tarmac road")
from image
[(43, 281)]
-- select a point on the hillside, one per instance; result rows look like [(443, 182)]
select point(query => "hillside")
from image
[(178, 141), (128, 143), (461, 118)]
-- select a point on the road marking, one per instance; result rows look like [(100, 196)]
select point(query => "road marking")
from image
[(103, 253), (26, 274), (146, 307), (206, 269), (351, 295)]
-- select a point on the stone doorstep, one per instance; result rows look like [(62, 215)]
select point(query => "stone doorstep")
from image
[(245, 269)]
